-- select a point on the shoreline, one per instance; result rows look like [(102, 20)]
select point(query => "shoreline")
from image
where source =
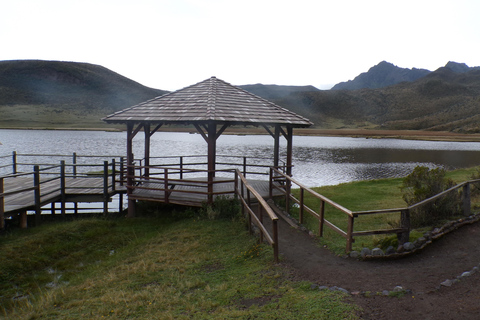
[(353, 133)]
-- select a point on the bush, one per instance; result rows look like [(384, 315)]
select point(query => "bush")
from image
[(424, 183), (221, 208)]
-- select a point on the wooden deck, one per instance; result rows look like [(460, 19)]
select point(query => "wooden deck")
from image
[(195, 191), (80, 189)]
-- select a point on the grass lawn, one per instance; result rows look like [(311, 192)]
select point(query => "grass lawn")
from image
[(152, 268)]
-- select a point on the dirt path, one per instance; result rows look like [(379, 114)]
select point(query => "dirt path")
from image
[(421, 273)]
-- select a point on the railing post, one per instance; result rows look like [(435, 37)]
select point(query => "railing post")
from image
[(404, 224), (181, 167), (14, 162), (114, 174), (350, 234), (249, 215), (321, 218), (62, 186), (275, 239), (288, 189), (270, 184), (466, 199), (74, 166), (105, 187), (245, 167), (167, 194), (122, 177), (300, 216), (260, 217), (36, 184), (2, 205)]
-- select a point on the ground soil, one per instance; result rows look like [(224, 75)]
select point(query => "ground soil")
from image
[(421, 274)]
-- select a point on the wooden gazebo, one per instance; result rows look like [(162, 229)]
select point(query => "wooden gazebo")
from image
[(211, 106)]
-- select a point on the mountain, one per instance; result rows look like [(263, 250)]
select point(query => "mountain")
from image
[(68, 83), (37, 93), (382, 75), (442, 100), (272, 92)]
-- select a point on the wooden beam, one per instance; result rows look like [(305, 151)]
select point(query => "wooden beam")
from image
[(146, 129), (219, 133), (156, 129), (268, 130), (200, 130)]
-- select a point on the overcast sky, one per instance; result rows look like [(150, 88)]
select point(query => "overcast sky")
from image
[(170, 44)]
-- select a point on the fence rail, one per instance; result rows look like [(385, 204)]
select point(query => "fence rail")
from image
[(403, 232)]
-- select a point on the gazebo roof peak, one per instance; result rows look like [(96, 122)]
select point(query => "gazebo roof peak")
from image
[(211, 100)]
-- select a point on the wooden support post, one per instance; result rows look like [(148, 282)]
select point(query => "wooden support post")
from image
[(74, 164), (146, 129), (350, 239), (289, 150), (404, 224), (114, 174), (302, 192), (466, 199), (2, 205), (245, 167), (270, 184), (105, 187), (52, 208), (62, 188), (23, 219), (212, 149), (276, 147), (36, 184), (181, 167), (122, 168), (249, 215), (321, 218), (165, 182), (14, 162), (130, 171), (120, 202), (275, 239)]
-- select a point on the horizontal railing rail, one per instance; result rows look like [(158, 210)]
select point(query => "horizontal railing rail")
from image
[(257, 218)]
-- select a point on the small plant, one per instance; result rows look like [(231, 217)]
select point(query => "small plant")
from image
[(424, 183)]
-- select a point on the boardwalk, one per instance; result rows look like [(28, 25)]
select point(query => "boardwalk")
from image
[(80, 189)]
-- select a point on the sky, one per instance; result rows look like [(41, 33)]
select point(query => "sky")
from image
[(171, 44)]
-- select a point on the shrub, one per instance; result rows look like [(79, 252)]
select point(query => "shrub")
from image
[(424, 183), (221, 208)]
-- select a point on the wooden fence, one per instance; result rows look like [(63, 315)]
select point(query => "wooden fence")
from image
[(403, 232)]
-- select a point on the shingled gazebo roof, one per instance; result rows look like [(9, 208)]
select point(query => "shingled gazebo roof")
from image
[(212, 100)]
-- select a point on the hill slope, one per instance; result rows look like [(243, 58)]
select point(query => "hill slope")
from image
[(48, 93), (442, 100)]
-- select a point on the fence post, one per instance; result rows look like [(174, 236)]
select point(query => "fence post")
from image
[(62, 186), (350, 239), (181, 167), (249, 215), (2, 205), (302, 192), (404, 224), (275, 239), (270, 184), (105, 187), (466, 199), (14, 162), (321, 218), (36, 184), (122, 177), (74, 166), (288, 189), (245, 167), (114, 173), (167, 194)]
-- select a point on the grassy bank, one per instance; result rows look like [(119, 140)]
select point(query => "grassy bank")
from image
[(365, 196), (151, 268)]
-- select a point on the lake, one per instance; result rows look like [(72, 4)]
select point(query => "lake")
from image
[(318, 161)]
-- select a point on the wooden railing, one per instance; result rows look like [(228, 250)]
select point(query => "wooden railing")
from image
[(284, 184), (245, 187)]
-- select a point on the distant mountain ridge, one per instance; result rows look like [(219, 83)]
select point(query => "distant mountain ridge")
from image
[(386, 74)]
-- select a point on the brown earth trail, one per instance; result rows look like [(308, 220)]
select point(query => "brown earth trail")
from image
[(420, 274)]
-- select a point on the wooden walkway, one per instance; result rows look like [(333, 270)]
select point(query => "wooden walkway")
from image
[(78, 189)]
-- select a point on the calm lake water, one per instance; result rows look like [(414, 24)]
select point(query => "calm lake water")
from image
[(318, 161)]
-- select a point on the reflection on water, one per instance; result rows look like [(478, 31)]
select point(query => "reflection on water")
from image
[(317, 160)]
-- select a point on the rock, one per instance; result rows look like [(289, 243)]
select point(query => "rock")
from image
[(365, 252), (398, 289), (377, 252), (400, 249), (466, 274), (313, 286), (385, 293), (435, 231), (343, 290), (354, 254), (390, 250), (421, 240), (408, 246), (447, 283), (322, 288)]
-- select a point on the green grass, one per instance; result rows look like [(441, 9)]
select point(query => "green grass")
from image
[(150, 268), (365, 196)]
